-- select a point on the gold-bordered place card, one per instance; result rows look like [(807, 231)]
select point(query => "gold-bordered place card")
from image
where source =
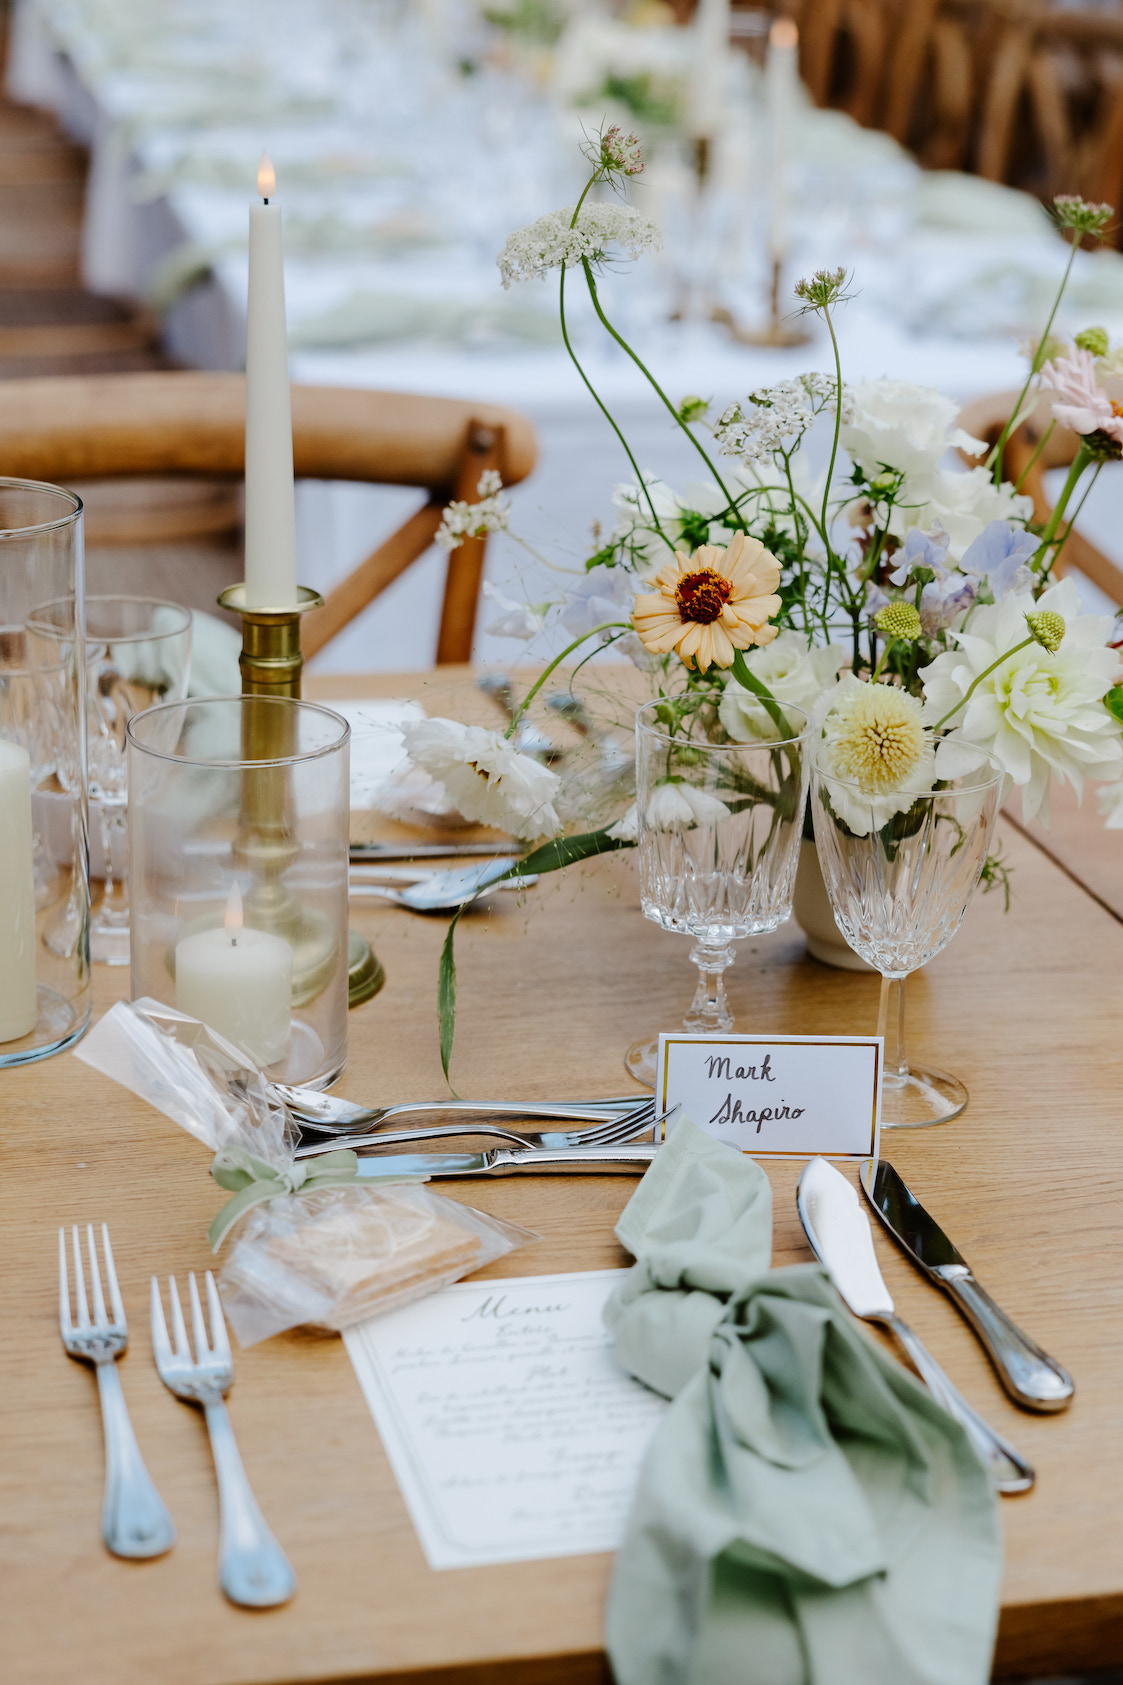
[(777, 1096)]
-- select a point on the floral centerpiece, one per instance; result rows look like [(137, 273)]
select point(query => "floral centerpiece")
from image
[(913, 609)]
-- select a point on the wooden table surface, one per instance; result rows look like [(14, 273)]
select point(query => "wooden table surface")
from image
[(1029, 1182)]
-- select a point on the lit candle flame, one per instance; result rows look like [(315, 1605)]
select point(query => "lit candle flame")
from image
[(267, 175), (783, 34), (234, 913)]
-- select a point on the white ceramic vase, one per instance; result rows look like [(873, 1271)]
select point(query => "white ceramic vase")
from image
[(812, 909)]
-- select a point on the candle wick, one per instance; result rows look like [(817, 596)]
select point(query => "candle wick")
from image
[(265, 201)]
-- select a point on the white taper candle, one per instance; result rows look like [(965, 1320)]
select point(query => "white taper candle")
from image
[(782, 81), (270, 509)]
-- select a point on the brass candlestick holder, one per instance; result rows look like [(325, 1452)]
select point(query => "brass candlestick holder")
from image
[(271, 664)]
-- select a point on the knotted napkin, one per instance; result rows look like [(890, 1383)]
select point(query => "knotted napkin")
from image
[(807, 1514)]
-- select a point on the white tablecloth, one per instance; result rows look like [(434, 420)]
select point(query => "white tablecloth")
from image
[(400, 182)]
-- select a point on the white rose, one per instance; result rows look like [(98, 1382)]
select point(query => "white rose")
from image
[(793, 673), (963, 503), (898, 425)]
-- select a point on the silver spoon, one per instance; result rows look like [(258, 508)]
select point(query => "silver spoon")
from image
[(444, 891)]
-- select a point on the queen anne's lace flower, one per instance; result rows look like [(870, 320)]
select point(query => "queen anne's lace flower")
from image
[(1040, 714), (462, 520), (551, 243), (490, 781), (772, 415)]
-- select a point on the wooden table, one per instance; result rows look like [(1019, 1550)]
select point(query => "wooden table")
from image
[(1029, 1182)]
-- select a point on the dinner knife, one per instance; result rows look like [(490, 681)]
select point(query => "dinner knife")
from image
[(1031, 1377), (839, 1232), (632, 1158)]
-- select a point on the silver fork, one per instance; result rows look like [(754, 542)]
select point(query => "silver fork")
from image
[(608, 1134), (253, 1570), (134, 1519)]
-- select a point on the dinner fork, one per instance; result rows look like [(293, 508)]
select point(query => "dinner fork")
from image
[(253, 1570), (609, 1134), (134, 1519)]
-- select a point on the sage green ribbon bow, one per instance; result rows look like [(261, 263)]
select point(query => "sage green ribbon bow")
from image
[(251, 1181)]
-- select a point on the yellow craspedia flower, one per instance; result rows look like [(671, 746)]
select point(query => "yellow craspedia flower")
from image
[(1047, 628), (876, 737), (898, 620), (711, 604)]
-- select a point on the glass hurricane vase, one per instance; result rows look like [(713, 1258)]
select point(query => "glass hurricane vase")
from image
[(718, 825), (900, 874)]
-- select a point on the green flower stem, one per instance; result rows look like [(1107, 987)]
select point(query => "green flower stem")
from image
[(641, 482), (975, 683), (590, 282), (994, 460), (1038, 448), (606, 626), (837, 424), (1063, 540), (748, 680), (1081, 460)]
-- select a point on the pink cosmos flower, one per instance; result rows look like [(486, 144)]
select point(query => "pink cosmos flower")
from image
[(1080, 403)]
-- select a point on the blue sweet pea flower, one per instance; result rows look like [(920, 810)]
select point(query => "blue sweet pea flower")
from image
[(922, 550), (999, 555)]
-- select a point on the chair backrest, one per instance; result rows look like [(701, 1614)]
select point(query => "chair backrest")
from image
[(75, 428)]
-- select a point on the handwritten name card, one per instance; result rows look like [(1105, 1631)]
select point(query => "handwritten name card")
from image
[(777, 1096), (511, 1431)]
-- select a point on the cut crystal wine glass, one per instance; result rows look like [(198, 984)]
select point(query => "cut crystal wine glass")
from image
[(899, 883), (718, 825)]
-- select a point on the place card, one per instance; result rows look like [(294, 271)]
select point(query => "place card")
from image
[(511, 1431), (777, 1096)]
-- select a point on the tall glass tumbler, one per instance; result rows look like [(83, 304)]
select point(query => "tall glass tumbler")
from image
[(718, 826), (44, 865), (239, 814)]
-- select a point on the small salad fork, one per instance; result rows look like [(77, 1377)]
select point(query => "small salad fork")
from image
[(134, 1519), (253, 1570)]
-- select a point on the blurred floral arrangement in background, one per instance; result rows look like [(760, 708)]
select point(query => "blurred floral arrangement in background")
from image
[(913, 609)]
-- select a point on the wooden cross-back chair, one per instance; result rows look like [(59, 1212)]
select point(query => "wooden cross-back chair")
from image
[(984, 419), (185, 424), (1052, 117)]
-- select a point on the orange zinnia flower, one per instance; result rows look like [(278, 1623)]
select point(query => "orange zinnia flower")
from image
[(711, 604)]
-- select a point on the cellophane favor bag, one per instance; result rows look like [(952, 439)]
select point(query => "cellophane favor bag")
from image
[(311, 1245)]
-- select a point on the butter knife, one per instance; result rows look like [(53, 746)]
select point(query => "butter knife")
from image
[(1031, 1377), (839, 1232), (631, 1159)]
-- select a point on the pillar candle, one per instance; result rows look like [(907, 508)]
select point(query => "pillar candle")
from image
[(782, 81), (239, 981), (270, 509), (18, 1008)]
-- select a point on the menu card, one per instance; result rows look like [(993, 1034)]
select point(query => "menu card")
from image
[(511, 1431)]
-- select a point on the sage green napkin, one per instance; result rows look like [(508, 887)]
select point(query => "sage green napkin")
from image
[(807, 1514)]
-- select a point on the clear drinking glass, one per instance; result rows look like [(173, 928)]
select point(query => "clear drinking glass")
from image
[(138, 652), (239, 812), (718, 826), (144, 658), (899, 884), (44, 867)]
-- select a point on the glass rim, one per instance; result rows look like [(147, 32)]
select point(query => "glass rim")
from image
[(871, 796), (728, 748), (37, 621), (238, 764), (11, 533)]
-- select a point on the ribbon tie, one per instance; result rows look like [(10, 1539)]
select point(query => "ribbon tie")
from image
[(251, 1181)]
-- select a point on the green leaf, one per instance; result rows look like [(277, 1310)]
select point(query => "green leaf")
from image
[(446, 997), (565, 851), (1113, 701)]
